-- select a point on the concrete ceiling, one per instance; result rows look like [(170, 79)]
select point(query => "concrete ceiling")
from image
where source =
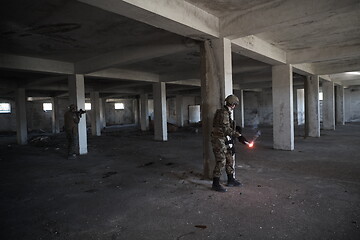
[(122, 46)]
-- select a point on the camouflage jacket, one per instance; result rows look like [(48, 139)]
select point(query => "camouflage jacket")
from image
[(223, 125), (71, 120)]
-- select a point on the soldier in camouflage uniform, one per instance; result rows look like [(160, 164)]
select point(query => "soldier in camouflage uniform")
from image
[(71, 120), (223, 132)]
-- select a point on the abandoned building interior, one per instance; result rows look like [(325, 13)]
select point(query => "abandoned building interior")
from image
[(150, 75)]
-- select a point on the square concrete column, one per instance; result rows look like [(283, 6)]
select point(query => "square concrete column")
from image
[(239, 111), (77, 97), (144, 112), (216, 84), (340, 106), (95, 109), (283, 117), (222, 54), (21, 121), (136, 111), (55, 120), (160, 120), (328, 109), (179, 111), (300, 106), (102, 112), (312, 107)]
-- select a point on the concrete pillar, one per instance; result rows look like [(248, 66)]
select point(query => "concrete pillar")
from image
[(55, 117), (102, 112), (160, 120), (328, 109), (340, 105), (21, 121), (77, 97), (283, 117), (300, 106), (144, 112), (312, 107), (95, 110), (239, 111), (136, 111), (216, 84), (222, 54), (179, 111)]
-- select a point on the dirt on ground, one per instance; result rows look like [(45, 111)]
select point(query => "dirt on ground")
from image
[(131, 187)]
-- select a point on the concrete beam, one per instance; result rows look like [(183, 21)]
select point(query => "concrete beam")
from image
[(277, 14), (125, 74), (336, 67), (189, 82), (35, 64), (46, 80), (177, 76), (149, 50), (255, 78), (349, 83), (306, 69), (240, 68), (175, 16), (256, 48), (311, 55)]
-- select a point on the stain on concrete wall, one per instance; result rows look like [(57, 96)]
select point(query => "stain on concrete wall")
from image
[(118, 116), (258, 108), (38, 119)]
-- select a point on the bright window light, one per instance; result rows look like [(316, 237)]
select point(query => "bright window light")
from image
[(87, 106), (353, 73), (119, 106), (320, 96), (47, 107), (5, 108)]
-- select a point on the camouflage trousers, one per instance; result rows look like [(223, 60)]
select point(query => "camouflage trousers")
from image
[(72, 139), (223, 157)]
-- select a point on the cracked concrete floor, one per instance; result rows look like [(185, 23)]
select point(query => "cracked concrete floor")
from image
[(131, 187)]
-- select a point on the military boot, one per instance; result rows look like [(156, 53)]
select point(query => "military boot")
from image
[(232, 182), (216, 185)]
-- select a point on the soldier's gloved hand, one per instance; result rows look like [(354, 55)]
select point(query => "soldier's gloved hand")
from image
[(243, 140), (237, 134)]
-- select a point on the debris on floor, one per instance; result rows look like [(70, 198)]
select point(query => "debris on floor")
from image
[(201, 226), (108, 174)]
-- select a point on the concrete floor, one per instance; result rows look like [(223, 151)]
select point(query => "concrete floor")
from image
[(131, 187)]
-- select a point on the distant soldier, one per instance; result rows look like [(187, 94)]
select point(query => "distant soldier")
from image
[(71, 119), (223, 133)]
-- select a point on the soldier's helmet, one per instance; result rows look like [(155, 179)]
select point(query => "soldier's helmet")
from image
[(232, 100)]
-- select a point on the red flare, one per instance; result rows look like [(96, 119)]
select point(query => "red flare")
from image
[(251, 144)]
